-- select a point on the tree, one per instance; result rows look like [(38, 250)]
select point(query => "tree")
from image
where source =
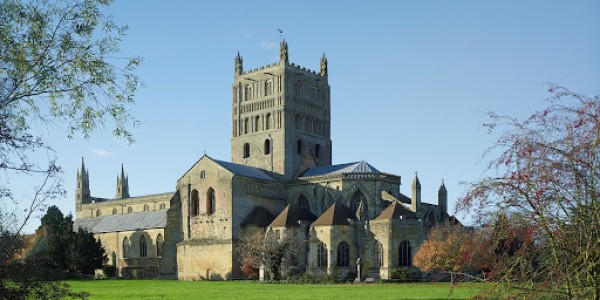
[(88, 253), (547, 173), (271, 251), (59, 69)]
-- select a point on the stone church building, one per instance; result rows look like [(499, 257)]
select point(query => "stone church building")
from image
[(280, 177)]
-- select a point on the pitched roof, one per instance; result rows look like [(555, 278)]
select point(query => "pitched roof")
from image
[(336, 214), (244, 170), (258, 216), (124, 222), (396, 210), (355, 167), (290, 216)]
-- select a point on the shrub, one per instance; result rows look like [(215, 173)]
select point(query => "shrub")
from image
[(109, 270)]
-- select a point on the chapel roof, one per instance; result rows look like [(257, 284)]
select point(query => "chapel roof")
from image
[(258, 216), (336, 214), (290, 216), (355, 167), (124, 222), (396, 210), (243, 170)]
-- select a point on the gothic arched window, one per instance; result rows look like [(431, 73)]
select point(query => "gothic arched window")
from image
[(248, 92), (125, 248), (298, 88), (317, 150), (268, 88), (357, 197), (256, 123), (343, 254), (246, 125), (299, 146), (267, 147), (159, 245), (378, 254), (210, 201), (303, 201), (195, 204), (143, 247), (321, 255), (268, 121), (246, 150), (404, 259)]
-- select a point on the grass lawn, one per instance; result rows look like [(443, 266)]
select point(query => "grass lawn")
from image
[(172, 289)]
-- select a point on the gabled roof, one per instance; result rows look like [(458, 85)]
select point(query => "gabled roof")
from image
[(336, 214), (355, 167), (290, 216), (258, 216), (396, 210), (244, 170), (124, 222)]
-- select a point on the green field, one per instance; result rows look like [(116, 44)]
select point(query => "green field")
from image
[(171, 289)]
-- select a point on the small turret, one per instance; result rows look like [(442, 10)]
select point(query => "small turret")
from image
[(443, 200), (239, 65), (323, 65), (283, 52), (82, 191), (415, 204), (122, 185)]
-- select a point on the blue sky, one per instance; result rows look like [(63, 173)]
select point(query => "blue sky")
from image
[(410, 81)]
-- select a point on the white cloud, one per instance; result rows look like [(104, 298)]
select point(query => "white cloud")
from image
[(269, 45), (100, 153)]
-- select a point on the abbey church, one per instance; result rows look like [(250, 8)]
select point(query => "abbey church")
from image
[(280, 179)]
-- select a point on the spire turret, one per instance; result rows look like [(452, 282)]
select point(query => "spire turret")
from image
[(283, 52), (122, 185), (415, 204), (239, 65), (323, 65), (443, 199), (82, 190)]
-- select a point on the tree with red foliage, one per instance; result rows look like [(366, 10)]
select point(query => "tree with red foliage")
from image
[(546, 174)]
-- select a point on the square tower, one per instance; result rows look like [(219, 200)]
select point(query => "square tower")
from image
[(281, 116)]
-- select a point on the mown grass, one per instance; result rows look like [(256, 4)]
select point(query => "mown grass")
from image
[(172, 289)]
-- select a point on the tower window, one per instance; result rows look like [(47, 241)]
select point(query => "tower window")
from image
[(248, 92), (210, 201), (268, 122), (246, 125), (299, 147), (378, 254), (317, 150), (268, 88), (322, 255), (298, 88), (195, 204), (303, 201), (343, 254), (143, 247), (246, 150), (256, 123), (267, 147)]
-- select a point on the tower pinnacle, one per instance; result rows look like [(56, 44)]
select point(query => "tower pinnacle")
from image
[(323, 65), (283, 52)]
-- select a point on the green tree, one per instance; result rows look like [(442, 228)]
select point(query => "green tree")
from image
[(546, 174), (87, 254)]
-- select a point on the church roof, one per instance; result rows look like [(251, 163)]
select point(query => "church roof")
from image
[(355, 167), (244, 170), (290, 216), (258, 216), (124, 222), (396, 211), (336, 214)]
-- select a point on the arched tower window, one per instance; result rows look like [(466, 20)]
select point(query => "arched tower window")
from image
[(146, 207), (321, 255), (343, 254), (246, 150), (432, 220), (125, 248), (248, 92), (267, 146), (98, 213), (143, 247), (268, 88), (299, 147), (298, 88), (114, 212), (378, 254), (297, 121), (268, 121), (317, 150), (195, 204), (129, 209), (256, 123), (404, 259), (210, 201), (159, 245), (246, 125), (303, 201), (357, 197)]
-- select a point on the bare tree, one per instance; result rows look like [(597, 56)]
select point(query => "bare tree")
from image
[(547, 173)]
